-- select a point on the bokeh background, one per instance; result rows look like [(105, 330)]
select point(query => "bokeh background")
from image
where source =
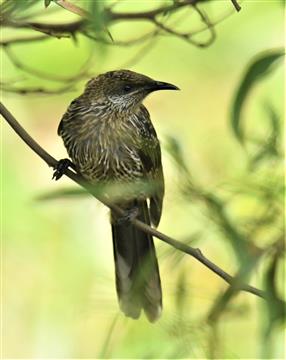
[(58, 290)]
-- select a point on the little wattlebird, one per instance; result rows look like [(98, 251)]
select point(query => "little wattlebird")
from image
[(110, 139)]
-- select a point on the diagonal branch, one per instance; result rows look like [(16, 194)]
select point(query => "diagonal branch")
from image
[(194, 252)]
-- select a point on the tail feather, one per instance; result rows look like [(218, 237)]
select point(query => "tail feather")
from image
[(138, 281)]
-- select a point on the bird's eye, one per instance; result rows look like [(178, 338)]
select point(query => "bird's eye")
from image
[(127, 88)]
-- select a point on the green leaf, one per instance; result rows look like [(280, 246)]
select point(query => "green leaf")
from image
[(181, 294), (276, 306), (11, 8), (259, 67), (275, 124), (96, 22), (62, 194), (97, 26), (223, 300), (175, 150), (114, 190), (269, 148)]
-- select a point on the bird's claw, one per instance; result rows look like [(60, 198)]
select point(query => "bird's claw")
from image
[(129, 215), (61, 168)]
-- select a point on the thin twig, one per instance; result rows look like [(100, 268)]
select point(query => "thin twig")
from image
[(147, 15), (139, 55), (236, 5), (22, 40), (56, 30), (130, 42), (209, 26), (185, 36), (37, 90), (83, 72), (52, 162)]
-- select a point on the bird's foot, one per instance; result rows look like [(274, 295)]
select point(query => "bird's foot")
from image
[(61, 168), (129, 215)]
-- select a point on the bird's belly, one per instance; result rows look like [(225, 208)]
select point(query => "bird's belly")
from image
[(113, 163)]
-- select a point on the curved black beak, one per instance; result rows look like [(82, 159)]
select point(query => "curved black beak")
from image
[(160, 85)]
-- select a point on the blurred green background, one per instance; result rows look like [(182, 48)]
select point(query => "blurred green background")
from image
[(59, 298)]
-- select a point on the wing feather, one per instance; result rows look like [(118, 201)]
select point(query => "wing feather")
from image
[(150, 155)]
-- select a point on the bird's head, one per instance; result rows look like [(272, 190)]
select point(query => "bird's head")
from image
[(123, 89)]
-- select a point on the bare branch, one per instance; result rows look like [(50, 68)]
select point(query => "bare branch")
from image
[(147, 15), (22, 40), (37, 90), (209, 25), (56, 30), (109, 16), (52, 162), (185, 36)]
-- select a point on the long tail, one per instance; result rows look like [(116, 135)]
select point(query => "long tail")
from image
[(138, 281)]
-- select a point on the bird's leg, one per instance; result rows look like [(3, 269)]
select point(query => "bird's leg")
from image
[(61, 168), (130, 214)]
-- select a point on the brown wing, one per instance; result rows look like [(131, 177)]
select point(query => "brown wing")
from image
[(150, 155), (74, 111)]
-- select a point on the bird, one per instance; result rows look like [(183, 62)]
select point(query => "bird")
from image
[(110, 139)]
